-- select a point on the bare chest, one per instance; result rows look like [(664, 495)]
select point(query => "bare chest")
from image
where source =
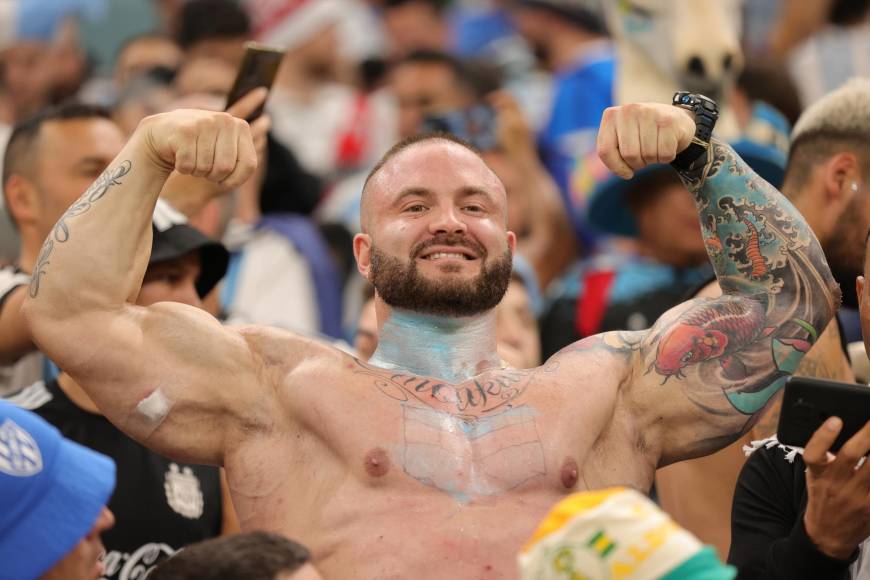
[(504, 431)]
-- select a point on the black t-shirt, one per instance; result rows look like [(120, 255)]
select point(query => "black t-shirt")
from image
[(160, 505), (768, 538)]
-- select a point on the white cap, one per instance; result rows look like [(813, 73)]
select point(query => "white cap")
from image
[(290, 26)]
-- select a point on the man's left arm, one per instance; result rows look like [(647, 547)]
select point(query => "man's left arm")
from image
[(709, 366)]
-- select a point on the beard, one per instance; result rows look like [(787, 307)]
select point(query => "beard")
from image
[(401, 285), (845, 250)]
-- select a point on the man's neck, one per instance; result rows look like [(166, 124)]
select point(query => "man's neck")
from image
[(451, 349)]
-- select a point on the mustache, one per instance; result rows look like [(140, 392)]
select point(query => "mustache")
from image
[(449, 240)]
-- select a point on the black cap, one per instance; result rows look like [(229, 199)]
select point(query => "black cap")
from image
[(178, 240)]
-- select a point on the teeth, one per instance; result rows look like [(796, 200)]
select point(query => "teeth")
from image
[(439, 255)]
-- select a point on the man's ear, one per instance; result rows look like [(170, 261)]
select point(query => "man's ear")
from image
[(859, 289), (22, 199), (839, 173), (512, 241), (362, 251)]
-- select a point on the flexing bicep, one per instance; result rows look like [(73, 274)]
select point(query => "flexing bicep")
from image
[(169, 375), (708, 366)]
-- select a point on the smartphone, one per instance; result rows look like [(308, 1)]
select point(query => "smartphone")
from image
[(807, 403), (476, 125), (258, 69)]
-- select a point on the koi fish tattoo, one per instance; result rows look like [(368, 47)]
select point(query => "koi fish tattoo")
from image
[(778, 291)]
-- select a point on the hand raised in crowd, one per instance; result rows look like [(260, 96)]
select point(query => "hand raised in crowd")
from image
[(837, 518), (636, 135), (187, 193), (216, 146)]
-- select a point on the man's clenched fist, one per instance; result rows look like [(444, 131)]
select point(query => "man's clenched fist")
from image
[(216, 146), (634, 136)]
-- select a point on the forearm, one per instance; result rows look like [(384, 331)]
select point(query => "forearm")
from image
[(755, 237), (95, 256)]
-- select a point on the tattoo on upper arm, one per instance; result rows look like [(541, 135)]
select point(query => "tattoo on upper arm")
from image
[(61, 231), (777, 286)]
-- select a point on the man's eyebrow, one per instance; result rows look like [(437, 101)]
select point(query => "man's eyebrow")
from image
[(412, 192), (471, 190)]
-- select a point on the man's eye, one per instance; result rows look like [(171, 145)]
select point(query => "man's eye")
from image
[(416, 208), (473, 208)]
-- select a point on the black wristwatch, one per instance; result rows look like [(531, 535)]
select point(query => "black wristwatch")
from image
[(706, 114)]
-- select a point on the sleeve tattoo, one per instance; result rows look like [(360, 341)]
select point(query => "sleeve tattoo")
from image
[(778, 293)]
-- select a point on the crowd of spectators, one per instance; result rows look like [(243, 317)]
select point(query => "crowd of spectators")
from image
[(526, 83)]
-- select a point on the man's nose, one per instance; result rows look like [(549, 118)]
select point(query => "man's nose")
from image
[(105, 521), (447, 221)]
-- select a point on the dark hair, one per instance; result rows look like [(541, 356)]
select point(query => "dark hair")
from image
[(435, 57), (249, 556), (848, 12), (22, 142), (211, 19), (437, 5), (768, 81), (573, 13)]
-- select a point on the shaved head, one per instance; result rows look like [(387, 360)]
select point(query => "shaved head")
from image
[(372, 182)]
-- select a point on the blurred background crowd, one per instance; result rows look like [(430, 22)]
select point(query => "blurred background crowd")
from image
[(525, 81)]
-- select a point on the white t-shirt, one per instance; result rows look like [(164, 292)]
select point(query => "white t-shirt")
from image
[(273, 285)]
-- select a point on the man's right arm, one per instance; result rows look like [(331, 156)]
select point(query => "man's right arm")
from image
[(169, 375)]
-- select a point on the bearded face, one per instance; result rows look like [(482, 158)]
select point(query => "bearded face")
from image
[(845, 248), (401, 284)]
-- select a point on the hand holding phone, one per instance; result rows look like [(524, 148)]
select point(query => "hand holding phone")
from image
[(258, 69), (807, 403), (837, 518)]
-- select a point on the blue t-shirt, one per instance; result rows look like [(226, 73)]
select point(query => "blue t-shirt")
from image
[(567, 142)]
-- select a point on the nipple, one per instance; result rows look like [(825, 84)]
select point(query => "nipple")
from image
[(377, 462), (569, 473)]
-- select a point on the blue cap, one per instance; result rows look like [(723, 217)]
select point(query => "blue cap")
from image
[(51, 493)]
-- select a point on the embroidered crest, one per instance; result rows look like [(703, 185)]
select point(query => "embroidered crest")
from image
[(183, 491), (19, 453)]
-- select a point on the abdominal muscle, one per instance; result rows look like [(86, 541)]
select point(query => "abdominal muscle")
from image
[(420, 533)]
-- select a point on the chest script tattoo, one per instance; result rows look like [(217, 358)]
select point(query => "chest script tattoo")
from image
[(468, 440), (468, 400)]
